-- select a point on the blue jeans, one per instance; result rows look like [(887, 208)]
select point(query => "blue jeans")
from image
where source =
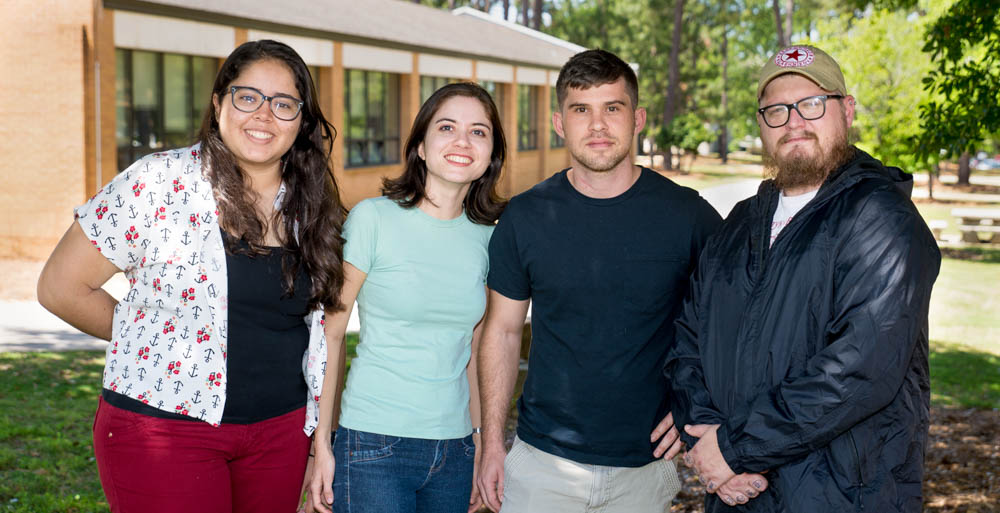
[(390, 474)]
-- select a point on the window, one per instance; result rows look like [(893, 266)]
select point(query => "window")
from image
[(371, 116), (160, 99), (554, 140), (430, 84), (496, 91), (527, 118)]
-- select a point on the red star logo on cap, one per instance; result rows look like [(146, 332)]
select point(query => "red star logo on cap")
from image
[(795, 55)]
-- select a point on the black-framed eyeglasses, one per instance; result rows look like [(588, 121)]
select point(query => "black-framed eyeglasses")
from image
[(813, 107), (248, 99)]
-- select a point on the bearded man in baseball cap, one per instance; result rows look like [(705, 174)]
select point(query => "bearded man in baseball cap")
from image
[(800, 365)]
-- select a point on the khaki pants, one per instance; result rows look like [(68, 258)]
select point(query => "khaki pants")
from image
[(538, 482)]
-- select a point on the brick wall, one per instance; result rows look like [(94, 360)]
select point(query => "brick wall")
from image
[(42, 137)]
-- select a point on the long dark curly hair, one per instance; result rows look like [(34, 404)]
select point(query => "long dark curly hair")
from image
[(312, 199), (482, 203)]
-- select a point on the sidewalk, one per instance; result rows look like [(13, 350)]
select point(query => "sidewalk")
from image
[(920, 191), (725, 197), (26, 326)]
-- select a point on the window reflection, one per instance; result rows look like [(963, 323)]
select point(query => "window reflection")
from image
[(160, 99)]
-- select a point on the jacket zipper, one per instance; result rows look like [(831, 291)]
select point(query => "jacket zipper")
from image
[(861, 477)]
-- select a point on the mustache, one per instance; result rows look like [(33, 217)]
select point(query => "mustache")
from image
[(787, 137)]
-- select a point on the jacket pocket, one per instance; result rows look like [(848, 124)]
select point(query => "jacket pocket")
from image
[(845, 457)]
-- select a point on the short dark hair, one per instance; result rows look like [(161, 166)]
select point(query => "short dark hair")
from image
[(483, 205), (594, 68)]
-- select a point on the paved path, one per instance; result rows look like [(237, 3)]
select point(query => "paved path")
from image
[(26, 326), (724, 197)]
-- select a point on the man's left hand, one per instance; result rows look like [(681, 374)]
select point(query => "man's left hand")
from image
[(670, 440), (706, 458)]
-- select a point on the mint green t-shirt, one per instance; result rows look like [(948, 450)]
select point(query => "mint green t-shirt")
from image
[(424, 292)]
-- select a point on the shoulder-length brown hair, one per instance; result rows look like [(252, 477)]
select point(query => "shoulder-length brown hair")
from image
[(482, 203), (312, 199)]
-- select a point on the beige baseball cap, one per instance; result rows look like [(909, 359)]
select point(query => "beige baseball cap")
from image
[(808, 61)]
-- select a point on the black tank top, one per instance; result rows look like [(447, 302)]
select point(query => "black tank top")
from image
[(268, 337)]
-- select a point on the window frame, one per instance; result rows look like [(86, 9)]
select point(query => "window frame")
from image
[(391, 129), (134, 149), (527, 117)]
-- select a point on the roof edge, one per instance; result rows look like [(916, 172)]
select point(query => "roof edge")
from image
[(151, 7), (475, 13)]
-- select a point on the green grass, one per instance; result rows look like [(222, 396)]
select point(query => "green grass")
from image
[(46, 454), (46, 445), (963, 376), (703, 176), (965, 329), (965, 304), (352, 351)]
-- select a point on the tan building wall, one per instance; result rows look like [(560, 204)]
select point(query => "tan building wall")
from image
[(59, 142), (44, 150)]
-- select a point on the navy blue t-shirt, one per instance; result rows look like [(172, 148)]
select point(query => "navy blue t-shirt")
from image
[(606, 278)]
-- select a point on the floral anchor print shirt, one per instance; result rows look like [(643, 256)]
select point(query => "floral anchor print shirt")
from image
[(159, 223)]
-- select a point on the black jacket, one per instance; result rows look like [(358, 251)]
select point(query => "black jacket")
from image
[(812, 354)]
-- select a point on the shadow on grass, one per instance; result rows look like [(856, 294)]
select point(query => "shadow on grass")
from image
[(973, 254), (961, 376)]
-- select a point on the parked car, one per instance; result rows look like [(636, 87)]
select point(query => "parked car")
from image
[(986, 164)]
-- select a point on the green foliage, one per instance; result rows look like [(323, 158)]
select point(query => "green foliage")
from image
[(964, 45), (686, 132), (882, 67), (638, 32)]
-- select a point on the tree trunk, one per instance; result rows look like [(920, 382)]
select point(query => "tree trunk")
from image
[(789, 11), (506, 10), (536, 18), (932, 174), (524, 13), (602, 5), (724, 100), (782, 42), (963, 169), (670, 102)]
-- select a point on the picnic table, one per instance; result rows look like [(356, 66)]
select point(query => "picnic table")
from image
[(978, 221)]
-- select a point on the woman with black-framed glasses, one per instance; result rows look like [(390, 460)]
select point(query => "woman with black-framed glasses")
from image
[(233, 251)]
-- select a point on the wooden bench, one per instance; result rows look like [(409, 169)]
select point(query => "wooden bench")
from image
[(936, 226), (976, 221)]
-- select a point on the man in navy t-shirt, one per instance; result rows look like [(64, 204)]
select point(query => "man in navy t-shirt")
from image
[(603, 251)]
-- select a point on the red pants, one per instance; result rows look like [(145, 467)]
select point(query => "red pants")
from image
[(151, 465)]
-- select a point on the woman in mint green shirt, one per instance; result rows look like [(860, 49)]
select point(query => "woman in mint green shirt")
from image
[(416, 262)]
